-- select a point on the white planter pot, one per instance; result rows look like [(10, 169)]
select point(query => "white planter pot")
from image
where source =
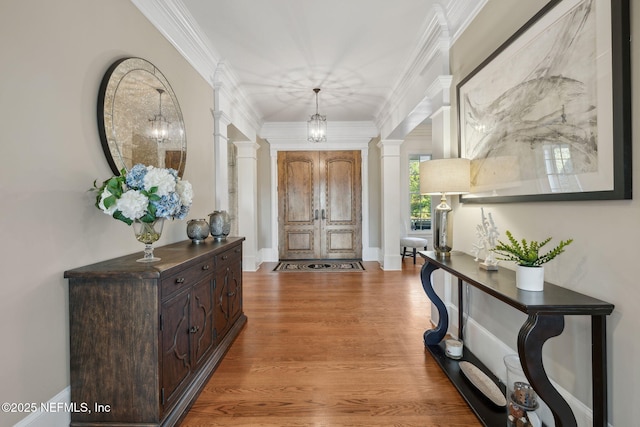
[(530, 278)]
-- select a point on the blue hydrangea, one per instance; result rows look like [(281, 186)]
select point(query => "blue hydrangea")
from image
[(182, 214), (168, 206), (135, 176)]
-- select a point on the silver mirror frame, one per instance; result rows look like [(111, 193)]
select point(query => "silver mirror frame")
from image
[(129, 98)]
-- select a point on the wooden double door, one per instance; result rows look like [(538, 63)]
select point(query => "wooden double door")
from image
[(319, 205)]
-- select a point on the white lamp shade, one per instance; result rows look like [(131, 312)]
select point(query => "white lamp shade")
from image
[(445, 176)]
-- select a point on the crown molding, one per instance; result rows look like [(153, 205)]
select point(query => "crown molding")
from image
[(411, 92), (172, 19), (340, 136), (429, 59), (428, 70), (461, 13)]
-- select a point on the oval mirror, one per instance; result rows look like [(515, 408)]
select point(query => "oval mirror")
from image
[(139, 118)]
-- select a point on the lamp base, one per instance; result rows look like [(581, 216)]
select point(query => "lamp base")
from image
[(442, 229), (442, 254)]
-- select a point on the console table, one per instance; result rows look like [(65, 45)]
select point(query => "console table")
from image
[(145, 337), (546, 311)]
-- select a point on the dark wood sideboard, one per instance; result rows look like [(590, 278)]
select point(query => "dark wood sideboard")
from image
[(146, 337), (545, 310)]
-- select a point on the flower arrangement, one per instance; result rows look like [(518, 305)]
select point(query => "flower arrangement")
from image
[(144, 193), (526, 253)]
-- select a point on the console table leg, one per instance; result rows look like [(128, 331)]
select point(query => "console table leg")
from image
[(599, 363), (533, 334), (434, 336)]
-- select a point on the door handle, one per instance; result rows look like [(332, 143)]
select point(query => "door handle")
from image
[(323, 216), (316, 215)]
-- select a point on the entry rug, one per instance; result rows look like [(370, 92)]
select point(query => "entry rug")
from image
[(320, 265)]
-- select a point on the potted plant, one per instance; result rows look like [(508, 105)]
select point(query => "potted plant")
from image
[(529, 272)]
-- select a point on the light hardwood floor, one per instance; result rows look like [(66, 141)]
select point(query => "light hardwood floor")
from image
[(331, 349)]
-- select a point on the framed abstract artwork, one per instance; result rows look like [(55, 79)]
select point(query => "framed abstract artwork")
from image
[(548, 115)]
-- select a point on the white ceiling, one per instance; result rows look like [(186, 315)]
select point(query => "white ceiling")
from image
[(358, 52)]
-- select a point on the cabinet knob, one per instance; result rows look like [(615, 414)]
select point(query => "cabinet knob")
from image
[(194, 329), (225, 257), (180, 280), (205, 267)]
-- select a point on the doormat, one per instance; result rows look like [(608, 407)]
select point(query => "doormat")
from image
[(320, 265)]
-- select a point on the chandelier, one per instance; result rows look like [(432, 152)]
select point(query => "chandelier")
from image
[(159, 124), (317, 125)]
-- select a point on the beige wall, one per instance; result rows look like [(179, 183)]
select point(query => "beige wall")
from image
[(54, 54), (603, 260), (375, 191), (264, 194)]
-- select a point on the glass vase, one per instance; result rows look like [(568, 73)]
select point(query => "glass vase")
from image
[(219, 224), (148, 233), (522, 400)]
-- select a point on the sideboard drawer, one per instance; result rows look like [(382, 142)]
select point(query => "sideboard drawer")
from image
[(185, 278), (231, 255)]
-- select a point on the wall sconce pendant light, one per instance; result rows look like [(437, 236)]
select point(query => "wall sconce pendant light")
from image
[(317, 125), (159, 124)]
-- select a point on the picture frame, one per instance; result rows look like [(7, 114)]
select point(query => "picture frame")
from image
[(547, 116)]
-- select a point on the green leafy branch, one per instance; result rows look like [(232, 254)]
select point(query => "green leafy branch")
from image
[(527, 253), (116, 186)]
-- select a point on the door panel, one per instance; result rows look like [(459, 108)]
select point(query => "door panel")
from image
[(176, 361), (300, 181), (319, 205), (341, 194), (202, 319), (298, 205)]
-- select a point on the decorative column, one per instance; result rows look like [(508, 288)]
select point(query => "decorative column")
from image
[(441, 133), (247, 165), (390, 169), (221, 160)]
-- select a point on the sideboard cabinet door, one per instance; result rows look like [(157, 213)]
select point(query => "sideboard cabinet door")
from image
[(176, 353), (228, 290), (201, 329), (187, 336), (142, 337)]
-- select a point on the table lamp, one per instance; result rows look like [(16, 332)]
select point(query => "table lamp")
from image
[(444, 177)]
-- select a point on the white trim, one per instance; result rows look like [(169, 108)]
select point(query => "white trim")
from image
[(269, 254), (289, 136), (367, 253), (51, 418), (464, 12)]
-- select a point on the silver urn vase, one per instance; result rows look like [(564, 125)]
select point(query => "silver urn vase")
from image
[(219, 224), (197, 230)]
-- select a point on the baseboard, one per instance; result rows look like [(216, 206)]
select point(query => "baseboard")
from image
[(250, 263), (56, 416), (371, 254), (269, 254), (491, 351)]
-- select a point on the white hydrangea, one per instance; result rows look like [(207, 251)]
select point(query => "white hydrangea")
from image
[(109, 211), (185, 191), (132, 204), (161, 178)]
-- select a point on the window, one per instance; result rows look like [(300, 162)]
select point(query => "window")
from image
[(559, 167), (420, 205)]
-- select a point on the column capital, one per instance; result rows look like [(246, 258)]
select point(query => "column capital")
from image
[(390, 147), (246, 148)]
